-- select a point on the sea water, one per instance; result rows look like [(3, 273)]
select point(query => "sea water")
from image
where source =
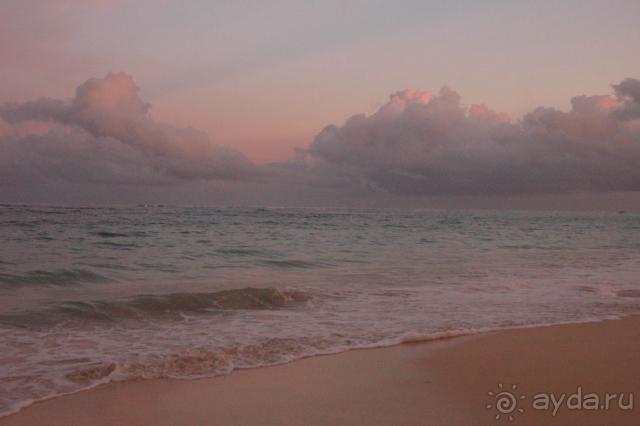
[(97, 294)]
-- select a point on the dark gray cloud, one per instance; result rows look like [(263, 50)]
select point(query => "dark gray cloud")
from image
[(421, 144), (105, 134)]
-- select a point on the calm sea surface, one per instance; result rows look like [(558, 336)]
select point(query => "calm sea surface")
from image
[(90, 295)]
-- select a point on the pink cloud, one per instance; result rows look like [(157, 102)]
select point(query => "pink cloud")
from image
[(418, 143), (422, 144), (108, 112)]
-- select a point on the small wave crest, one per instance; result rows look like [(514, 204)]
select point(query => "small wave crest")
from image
[(628, 293), (58, 277), (148, 307), (295, 263), (111, 234), (91, 374)]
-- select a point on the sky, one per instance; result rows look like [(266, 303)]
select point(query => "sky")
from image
[(422, 103)]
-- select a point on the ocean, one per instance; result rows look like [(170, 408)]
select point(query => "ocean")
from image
[(90, 295)]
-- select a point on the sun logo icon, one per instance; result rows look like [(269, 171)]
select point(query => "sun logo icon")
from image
[(505, 402)]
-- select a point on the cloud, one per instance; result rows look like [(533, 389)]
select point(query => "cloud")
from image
[(628, 93), (424, 144), (103, 144), (105, 134)]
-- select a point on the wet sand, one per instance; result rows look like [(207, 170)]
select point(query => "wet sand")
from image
[(436, 383)]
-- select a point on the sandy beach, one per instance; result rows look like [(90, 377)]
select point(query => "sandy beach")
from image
[(319, 213), (447, 382)]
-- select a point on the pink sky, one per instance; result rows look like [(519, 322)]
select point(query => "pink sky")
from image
[(296, 102), (266, 79)]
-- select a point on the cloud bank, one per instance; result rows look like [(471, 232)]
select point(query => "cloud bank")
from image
[(106, 135), (417, 145), (424, 144)]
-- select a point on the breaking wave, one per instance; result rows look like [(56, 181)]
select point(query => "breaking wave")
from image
[(148, 307)]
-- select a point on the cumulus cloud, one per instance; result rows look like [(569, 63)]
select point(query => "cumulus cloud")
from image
[(419, 143), (105, 134), (628, 93), (426, 144)]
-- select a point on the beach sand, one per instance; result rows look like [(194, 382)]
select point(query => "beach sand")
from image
[(436, 383)]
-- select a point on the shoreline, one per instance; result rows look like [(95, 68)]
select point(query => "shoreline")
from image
[(439, 373), (406, 339)]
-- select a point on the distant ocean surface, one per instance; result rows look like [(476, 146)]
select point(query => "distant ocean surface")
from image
[(91, 295)]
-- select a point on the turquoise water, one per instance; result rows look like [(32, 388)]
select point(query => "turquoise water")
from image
[(90, 295)]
